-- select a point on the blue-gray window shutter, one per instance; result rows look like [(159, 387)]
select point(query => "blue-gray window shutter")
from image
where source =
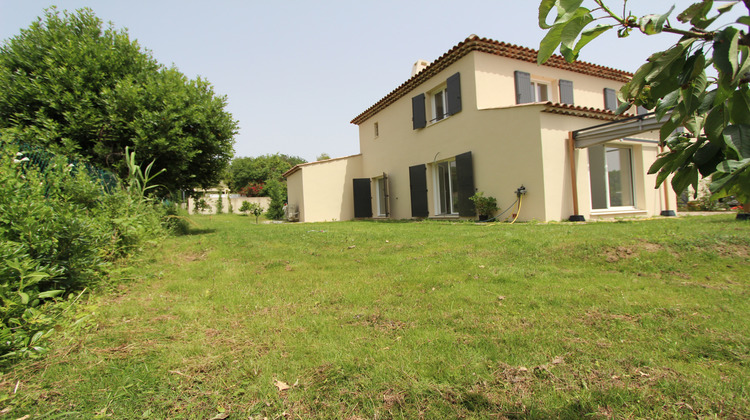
[(566, 92), (454, 94), (465, 175), (418, 111), (418, 187), (523, 88), (362, 198), (610, 99)]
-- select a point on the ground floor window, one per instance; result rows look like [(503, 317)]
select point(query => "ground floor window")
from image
[(381, 193), (446, 186), (611, 176)]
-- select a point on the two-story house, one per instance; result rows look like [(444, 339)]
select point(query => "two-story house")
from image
[(485, 117)]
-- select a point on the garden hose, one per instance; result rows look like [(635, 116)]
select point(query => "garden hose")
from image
[(503, 212), (518, 211)]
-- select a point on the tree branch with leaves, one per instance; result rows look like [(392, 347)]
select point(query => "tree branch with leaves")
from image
[(700, 83)]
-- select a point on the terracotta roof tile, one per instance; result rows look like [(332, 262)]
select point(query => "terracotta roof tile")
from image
[(583, 111), (474, 43)]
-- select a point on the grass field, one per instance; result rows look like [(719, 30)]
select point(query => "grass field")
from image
[(351, 320)]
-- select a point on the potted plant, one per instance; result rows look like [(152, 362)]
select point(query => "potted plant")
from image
[(485, 206)]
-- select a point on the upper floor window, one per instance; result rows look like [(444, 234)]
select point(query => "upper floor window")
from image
[(442, 103), (377, 129), (610, 99), (439, 105), (539, 91)]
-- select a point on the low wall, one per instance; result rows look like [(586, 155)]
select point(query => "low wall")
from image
[(235, 199)]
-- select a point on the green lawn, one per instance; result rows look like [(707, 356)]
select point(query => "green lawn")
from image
[(636, 319)]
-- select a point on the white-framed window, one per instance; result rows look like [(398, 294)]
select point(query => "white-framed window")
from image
[(611, 177), (446, 188), (539, 91), (381, 196), (439, 104)]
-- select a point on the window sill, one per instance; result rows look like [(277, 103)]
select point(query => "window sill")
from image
[(614, 212), (445, 216), (431, 123)]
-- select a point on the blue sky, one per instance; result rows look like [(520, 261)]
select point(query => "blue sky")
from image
[(295, 73)]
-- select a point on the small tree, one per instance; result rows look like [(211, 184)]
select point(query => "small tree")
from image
[(254, 208)]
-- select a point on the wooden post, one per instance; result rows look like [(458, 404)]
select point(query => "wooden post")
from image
[(666, 212), (573, 178)]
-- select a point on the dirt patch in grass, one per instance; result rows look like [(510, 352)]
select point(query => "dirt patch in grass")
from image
[(379, 323), (162, 318), (193, 256), (614, 254), (392, 398), (732, 250)]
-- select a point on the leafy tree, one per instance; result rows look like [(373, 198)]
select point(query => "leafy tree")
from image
[(259, 170), (678, 84), (71, 85), (323, 156)]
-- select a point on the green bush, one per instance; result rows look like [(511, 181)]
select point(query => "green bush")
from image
[(176, 219), (59, 230)]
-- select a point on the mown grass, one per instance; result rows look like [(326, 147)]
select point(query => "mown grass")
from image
[(641, 319)]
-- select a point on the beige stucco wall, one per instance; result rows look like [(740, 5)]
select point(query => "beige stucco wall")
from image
[(496, 82), (211, 200), (322, 191)]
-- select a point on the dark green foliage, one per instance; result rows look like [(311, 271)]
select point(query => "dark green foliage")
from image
[(176, 220), (76, 87), (259, 170), (485, 206), (675, 83), (277, 191), (220, 204), (59, 229), (200, 205)]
